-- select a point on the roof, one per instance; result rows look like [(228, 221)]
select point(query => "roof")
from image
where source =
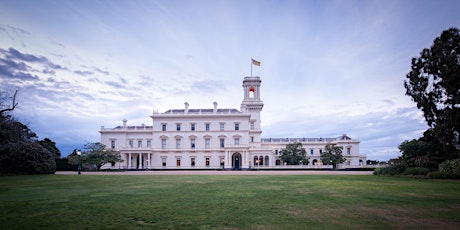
[(201, 111)]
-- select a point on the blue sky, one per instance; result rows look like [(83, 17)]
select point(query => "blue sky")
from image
[(328, 67)]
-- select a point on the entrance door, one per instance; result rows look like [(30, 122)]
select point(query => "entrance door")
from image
[(236, 161)]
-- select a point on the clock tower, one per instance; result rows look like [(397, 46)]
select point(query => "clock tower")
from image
[(253, 105)]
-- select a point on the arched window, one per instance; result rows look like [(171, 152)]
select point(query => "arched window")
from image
[(266, 161), (261, 160), (256, 161)]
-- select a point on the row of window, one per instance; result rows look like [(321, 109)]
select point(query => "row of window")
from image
[(207, 143), (312, 151), (192, 162), (206, 125)]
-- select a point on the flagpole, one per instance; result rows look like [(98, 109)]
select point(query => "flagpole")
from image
[(251, 67)]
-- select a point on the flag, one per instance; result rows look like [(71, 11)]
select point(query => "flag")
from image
[(254, 62)]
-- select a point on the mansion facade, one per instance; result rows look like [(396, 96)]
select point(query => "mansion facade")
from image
[(228, 139)]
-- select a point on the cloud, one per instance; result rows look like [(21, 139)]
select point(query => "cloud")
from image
[(18, 65), (83, 73), (208, 86)]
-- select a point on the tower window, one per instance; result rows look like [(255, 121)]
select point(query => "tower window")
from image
[(207, 126), (163, 127), (237, 126)]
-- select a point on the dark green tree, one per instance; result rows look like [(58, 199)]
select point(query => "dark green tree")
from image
[(51, 146), (19, 151), (434, 85), (294, 154), (424, 152), (26, 158), (332, 155), (97, 154)]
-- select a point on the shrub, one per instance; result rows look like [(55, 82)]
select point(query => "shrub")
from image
[(26, 158), (415, 171), (442, 175), (450, 166), (395, 169)]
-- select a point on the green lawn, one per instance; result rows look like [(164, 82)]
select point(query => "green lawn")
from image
[(227, 202)]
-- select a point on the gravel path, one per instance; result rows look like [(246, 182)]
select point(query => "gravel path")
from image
[(210, 172)]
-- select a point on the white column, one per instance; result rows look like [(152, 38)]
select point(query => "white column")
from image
[(140, 161), (150, 161), (245, 160), (227, 160), (129, 161)]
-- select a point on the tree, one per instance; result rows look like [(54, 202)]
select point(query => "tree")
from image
[(293, 154), (8, 101), (424, 152), (434, 85), (20, 153), (51, 146), (97, 154), (332, 154), (26, 158)]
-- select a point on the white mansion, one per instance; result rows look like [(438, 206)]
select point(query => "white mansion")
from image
[(215, 139)]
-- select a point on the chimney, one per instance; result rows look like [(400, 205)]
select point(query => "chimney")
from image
[(124, 122), (186, 107), (215, 107)]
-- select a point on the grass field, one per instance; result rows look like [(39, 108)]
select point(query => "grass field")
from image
[(227, 202)]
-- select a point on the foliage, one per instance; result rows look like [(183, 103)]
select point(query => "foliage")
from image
[(396, 168), (20, 153), (434, 85), (442, 175), (51, 146), (14, 131), (416, 171), (451, 167), (293, 154), (332, 154), (97, 154), (62, 164), (26, 158), (424, 152)]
